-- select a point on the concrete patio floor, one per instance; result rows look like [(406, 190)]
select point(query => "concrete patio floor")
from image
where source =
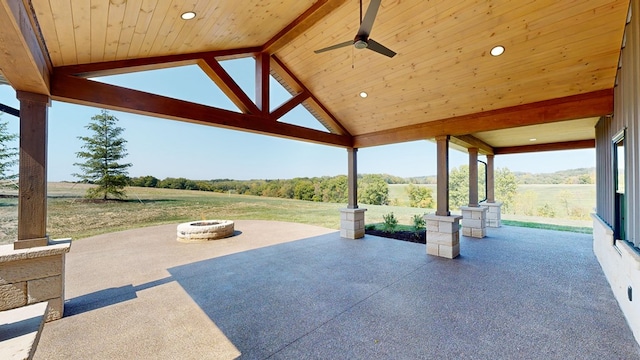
[(290, 291)]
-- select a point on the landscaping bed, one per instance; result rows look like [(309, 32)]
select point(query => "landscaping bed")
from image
[(411, 236)]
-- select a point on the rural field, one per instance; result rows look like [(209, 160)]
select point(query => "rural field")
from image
[(563, 201), (70, 215)]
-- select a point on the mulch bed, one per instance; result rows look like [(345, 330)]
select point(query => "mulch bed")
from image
[(401, 235)]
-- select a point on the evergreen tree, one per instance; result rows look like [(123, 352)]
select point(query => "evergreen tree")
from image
[(7, 154), (102, 153)]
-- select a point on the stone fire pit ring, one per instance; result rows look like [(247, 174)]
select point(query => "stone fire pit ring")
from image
[(204, 230)]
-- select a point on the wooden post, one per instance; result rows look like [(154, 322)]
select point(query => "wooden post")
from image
[(263, 67), (473, 177), (32, 198), (352, 178), (490, 180), (442, 144)]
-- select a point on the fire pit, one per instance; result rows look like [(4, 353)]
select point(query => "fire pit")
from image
[(205, 230)]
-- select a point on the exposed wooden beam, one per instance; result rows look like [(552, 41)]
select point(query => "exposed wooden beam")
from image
[(229, 87), (151, 63), (92, 93), (593, 104), (289, 105), (9, 110), (24, 63), (328, 120), (263, 68), (568, 145), (470, 141), (301, 24)]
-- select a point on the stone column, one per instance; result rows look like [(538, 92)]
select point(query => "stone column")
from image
[(443, 235), (352, 218), (32, 199), (493, 207)]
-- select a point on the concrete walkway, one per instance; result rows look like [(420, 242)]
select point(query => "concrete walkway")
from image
[(290, 291)]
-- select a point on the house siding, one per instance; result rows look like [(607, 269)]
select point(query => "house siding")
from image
[(626, 116), (620, 260)]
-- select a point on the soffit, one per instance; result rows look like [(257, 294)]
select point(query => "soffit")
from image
[(564, 131)]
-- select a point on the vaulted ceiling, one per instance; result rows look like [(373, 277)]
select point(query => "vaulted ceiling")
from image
[(554, 80)]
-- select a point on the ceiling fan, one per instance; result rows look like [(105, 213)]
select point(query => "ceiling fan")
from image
[(362, 41)]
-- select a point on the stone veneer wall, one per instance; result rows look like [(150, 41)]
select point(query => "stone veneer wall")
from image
[(33, 275), (443, 235), (352, 223), (621, 265), (474, 221), (493, 214)]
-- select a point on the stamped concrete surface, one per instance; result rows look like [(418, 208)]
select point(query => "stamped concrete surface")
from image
[(290, 291)]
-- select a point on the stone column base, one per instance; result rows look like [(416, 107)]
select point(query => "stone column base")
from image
[(443, 235), (33, 275), (473, 221), (493, 213), (352, 223)]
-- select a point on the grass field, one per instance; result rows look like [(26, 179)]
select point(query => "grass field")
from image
[(568, 201), (70, 215)]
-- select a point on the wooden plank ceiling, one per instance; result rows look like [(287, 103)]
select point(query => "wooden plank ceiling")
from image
[(553, 81)]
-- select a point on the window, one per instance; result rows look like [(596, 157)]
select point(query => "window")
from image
[(619, 176)]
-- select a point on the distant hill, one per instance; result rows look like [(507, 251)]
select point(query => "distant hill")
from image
[(572, 176)]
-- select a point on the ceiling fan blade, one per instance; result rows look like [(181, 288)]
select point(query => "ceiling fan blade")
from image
[(369, 17), (333, 47), (379, 48)]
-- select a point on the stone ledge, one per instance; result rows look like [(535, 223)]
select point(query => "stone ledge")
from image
[(21, 329), (450, 218), (55, 247)]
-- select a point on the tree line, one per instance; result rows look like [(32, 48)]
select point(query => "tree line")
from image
[(372, 188)]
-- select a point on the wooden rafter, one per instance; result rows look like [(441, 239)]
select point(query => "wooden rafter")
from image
[(289, 105), (309, 18), (567, 145), (24, 62), (92, 93), (229, 87), (151, 63), (587, 105)]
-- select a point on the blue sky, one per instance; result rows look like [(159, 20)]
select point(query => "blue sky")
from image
[(168, 148)]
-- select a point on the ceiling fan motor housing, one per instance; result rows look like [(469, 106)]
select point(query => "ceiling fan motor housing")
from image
[(360, 42)]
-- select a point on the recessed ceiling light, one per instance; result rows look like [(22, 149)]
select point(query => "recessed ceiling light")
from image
[(533, 139), (497, 50), (363, 94), (188, 15)]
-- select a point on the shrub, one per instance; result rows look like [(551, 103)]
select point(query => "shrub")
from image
[(547, 211), (390, 223), (418, 222)]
